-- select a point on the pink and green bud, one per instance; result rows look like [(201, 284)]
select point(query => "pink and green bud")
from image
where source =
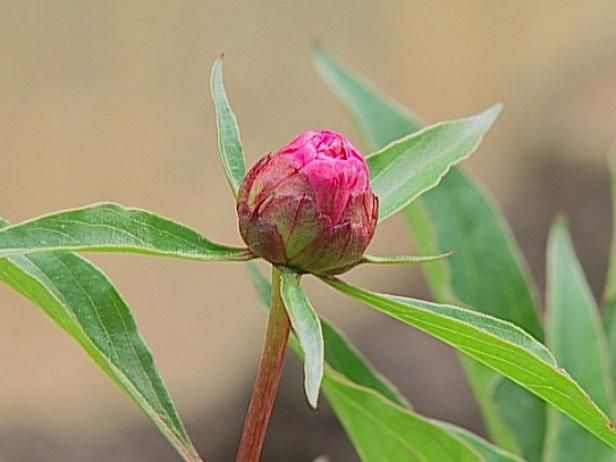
[(309, 206)]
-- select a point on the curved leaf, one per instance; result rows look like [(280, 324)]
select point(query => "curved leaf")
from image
[(499, 345), (609, 295), (381, 119), (343, 358), (229, 143), (83, 302), (403, 259), (382, 431), (403, 170), (340, 354), (576, 336), (489, 452), (307, 329), (108, 227), (484, 247)]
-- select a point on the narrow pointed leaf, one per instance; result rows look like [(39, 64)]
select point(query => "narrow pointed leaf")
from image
[(489, 452), (307, 328), (609, 296), (382, 431), (576, 336), (108, 227), (381, 119), (483, 243), (523, 412), (340, 354), (343, 358), (403, 170), (499, 345), (229, 143), (83, 302), (403, 259)]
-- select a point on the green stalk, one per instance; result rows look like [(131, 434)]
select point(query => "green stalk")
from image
[(268, 378)]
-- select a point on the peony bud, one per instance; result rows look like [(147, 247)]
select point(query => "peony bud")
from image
[(309, 206)]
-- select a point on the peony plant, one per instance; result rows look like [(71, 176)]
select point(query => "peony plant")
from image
[(310, 209)]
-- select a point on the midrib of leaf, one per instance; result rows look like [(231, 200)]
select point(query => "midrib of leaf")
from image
[(538, 376), (184, 242)]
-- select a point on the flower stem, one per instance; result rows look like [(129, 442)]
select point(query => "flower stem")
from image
[(268, 378)]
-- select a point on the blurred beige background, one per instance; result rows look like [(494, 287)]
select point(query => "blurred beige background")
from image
[(109, 100)]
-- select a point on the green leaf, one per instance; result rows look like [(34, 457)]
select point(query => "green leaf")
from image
[(499, 345), (403, 170), (459, 215), (380, 119), (108, 227), (340, 354), (343, 358), (229, 143), (523, 412), (484, 247), (489, 452), (609, 295), (83, 302), (307, 328), (403, 259), (383, 431), (576, 336)]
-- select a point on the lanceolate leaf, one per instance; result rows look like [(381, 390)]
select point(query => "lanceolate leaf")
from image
[(498, 344), (307, 329), (403, 170), (609, 296), (381, 120), (229, 143), (343, 358), (484, 251), (340, 354), (576, 336), (382, 431), (108, 227), (489, 452), (403, 259), (83, 302)]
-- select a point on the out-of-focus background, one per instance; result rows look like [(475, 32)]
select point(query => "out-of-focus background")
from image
[(110, 101)]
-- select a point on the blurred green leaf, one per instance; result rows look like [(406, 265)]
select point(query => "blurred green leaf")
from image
[(576, 336), (307, 329), (498, 344), (523, 412), (229, 143), (108, 227), (609, 296), (383, 431), (85, 304), (489, 452), (341, 356), (484, 250), (486, 270), (381, 120), (403, 170)]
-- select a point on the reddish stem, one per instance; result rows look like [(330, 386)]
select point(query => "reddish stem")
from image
[(268, 378)]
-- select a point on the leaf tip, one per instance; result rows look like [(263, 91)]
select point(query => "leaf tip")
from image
[(561, 220), (312, 396)]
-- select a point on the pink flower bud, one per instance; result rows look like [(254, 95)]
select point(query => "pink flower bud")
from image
[(309, 206)]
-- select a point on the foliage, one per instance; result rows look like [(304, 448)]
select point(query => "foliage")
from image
[(486, 305)]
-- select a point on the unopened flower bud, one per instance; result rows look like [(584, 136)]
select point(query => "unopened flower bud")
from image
[(309, 206)]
